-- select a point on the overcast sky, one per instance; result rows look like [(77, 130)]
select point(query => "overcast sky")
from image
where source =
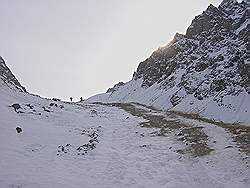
[(63, 48)]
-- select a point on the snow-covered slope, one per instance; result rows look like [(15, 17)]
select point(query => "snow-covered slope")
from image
[(75, 145), (205, 71)]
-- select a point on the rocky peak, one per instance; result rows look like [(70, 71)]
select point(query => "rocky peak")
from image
[(209, 22), (212, 44), (8, 78), (206, 69), (228, 4), (233, 8), (211, 9)]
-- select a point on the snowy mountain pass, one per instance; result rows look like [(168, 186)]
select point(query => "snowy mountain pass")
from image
[(96, 145), (182, 121)]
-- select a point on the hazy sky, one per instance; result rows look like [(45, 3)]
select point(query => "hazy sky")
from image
[(63, 48)]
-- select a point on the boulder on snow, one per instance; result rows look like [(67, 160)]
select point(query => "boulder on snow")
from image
[(45, 109), (16, 106), (55, 99), (19, 129), (53, 104)]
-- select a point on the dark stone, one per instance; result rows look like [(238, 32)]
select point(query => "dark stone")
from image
[(199, 97), (16, 106), (201, 67), (30, 106), (19, 129), (46, 110), (180, 134), (218, 85), (94, 112), (175, 99), (53, 104), (55, 99)]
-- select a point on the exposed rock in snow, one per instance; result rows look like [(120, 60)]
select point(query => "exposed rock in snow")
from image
[(114, 145), (124, 145), (205, 71), (8, 78)]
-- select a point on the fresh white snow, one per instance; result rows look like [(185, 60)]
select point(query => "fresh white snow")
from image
[(126, 154)]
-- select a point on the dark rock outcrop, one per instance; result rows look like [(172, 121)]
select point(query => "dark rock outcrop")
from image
[(19, 129), (211, 57), (8, 78), (16, 106), (116, 86)]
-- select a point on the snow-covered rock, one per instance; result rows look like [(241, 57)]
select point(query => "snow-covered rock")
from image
[(205, 71), (7, 78)]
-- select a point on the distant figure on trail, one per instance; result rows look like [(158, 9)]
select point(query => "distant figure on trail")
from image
[(81, 99), (71, 99)]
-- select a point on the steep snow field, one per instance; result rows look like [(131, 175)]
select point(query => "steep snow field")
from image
[(233, 109), (96, 145)]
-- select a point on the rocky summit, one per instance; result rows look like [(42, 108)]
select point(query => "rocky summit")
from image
[(7, 78), (205, 71)]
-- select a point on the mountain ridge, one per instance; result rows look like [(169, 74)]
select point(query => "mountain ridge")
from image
[(8, 78), (205, 71)]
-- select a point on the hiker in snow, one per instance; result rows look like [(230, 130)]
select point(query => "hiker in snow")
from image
[(81, 99), (71, 99)]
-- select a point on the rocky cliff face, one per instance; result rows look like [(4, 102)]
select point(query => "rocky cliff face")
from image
[(8, 78), (212, 55), (207, 68)]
